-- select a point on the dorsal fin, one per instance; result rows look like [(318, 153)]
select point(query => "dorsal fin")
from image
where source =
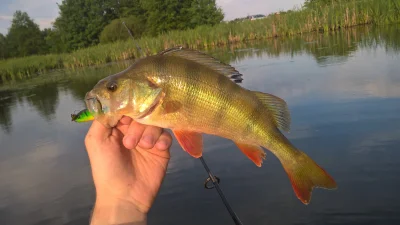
[(206, 60), (278, 108)]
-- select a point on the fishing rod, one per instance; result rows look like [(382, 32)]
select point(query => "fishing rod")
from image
[(129, 31), (215, 180), (130, 34)]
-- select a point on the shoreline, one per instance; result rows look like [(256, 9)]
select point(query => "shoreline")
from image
[(327, 19)]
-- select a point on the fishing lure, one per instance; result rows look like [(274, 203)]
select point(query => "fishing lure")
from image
[(82, 116)]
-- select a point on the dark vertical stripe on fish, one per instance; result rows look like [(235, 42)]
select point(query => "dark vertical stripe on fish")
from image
[(192, 72), (254, 117), (160, 64), (220, 114), (221, 105)]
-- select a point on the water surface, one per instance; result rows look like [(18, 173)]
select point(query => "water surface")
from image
[(343, 91)]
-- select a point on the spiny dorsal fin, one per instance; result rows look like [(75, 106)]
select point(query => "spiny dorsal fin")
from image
[(278, 108), (206, 60)]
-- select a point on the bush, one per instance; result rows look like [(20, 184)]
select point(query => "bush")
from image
[(116, 31)]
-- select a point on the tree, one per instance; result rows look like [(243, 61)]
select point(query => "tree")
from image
[(134, 16), (164, 15), (45, 33), (81, 21), (84, 23), (128, 8), (116, 30), (169, 15), (24, 37), (205, 12), (3, 47), (54, 41)]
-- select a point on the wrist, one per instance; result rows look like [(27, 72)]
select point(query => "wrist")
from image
[(117, 212)]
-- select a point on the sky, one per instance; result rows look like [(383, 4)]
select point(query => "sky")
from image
[(44, 12)]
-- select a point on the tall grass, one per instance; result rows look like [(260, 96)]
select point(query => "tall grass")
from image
[(318, 18), (323, 47)]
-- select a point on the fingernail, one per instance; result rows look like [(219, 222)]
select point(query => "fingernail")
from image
[(162, 145), (130, 141), (149, 139)]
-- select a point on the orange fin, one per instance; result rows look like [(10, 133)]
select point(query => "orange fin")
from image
[(191, 142), (253, 152), (305, 174)]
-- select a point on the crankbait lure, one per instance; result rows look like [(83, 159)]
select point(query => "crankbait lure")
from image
[(82, 116)]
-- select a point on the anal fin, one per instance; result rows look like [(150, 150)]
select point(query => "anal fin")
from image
[(191, 142), (253, 152)]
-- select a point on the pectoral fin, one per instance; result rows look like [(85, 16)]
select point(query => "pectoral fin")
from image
[(171, 106), (253, 152), (191, 142)]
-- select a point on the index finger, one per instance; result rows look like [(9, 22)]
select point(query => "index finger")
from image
[(125, 120)]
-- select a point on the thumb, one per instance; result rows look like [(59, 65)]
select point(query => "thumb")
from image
[(98, 131)]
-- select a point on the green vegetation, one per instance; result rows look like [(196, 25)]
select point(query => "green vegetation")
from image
[(86, 23), (325, 48), (163, 16), (3, 46), (114, 31), (321, 46), (17, 43), (316, 15)]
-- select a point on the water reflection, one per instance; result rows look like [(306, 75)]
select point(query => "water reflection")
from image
[(342, 90), (44, 98), (42, 93), (327, 49), (6, 103)]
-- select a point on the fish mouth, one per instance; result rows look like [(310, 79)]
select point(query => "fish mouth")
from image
[(93, 104)]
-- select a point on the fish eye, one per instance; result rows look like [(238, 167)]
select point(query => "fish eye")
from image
[(112, 87)]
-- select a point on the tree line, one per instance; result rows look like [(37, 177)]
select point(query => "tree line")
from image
[(84, 23)]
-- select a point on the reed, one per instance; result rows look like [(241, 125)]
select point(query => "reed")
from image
[(318, 18)]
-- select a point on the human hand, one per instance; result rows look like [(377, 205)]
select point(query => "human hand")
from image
[(128, 165)]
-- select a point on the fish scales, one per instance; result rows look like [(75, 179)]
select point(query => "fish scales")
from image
[(203, 97)]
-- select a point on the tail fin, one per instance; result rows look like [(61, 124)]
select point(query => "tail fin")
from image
[(305, 174)]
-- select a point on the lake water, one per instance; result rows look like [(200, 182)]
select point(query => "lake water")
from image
[(343, 91)]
